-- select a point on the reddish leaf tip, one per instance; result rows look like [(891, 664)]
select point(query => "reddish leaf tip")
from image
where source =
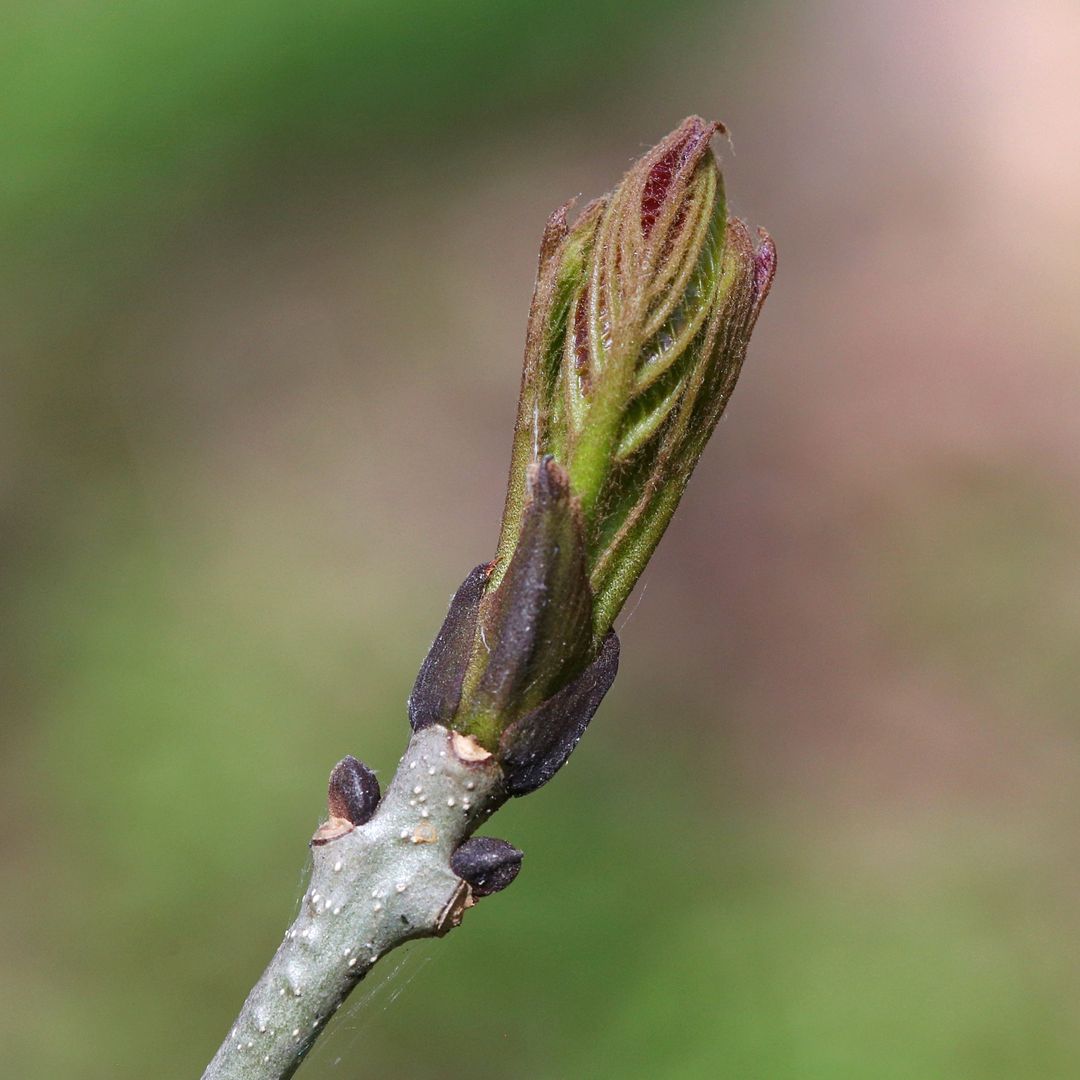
[(683, 147), (764, 265)]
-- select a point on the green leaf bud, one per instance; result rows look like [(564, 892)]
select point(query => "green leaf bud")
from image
[(640, 319)]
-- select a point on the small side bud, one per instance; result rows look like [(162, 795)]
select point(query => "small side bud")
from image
[(354, 792), (486, 864)]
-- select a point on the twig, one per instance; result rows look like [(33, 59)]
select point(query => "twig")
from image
[(372, 888)]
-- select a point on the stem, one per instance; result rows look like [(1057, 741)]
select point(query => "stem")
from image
[(377, 886)]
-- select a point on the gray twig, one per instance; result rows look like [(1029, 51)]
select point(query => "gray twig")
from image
[(373, 887)]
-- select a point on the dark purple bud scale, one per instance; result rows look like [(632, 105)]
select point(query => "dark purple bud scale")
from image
[(354, 791), (538, 621), (535, 747), (437, 691)]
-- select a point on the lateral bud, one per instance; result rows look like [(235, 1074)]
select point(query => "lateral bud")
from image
[(486, 864), (353, 793)]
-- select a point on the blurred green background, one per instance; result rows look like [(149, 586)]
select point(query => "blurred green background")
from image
[(264, 276)]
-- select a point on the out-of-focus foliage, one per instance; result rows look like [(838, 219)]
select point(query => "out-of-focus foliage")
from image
[(266, 270), (122, 112)]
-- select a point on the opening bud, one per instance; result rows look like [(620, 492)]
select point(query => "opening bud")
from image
[(640, 320)]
